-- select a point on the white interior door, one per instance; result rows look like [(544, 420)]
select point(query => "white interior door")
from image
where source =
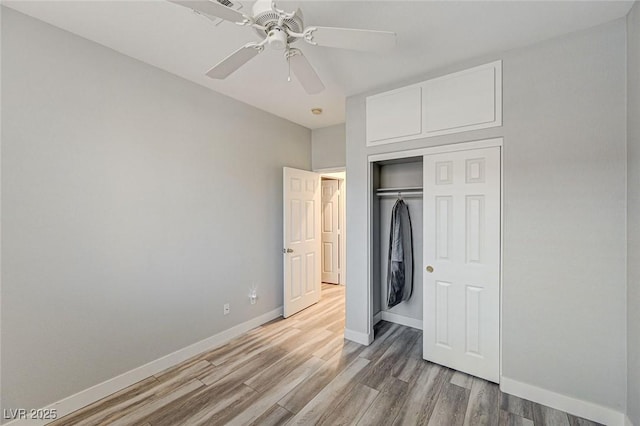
[(301, 239), (330, 230), (462, 261)]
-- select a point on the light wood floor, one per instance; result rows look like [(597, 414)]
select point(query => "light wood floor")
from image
[(302, 371)]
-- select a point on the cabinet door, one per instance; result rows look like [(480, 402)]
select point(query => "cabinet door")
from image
[(458, 102), (462, 261), (395, 114), (463, 101)]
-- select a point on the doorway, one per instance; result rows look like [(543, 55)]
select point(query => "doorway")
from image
[(332, 227), (305, 258)]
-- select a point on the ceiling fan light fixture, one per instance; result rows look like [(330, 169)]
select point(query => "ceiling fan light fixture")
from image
[(277, 38), (316, 111)]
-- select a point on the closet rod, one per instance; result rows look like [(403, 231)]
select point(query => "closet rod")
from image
[(403, 194), (403, 189), (412, 191)]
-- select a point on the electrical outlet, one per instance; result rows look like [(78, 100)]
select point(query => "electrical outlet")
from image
[(226, 308)]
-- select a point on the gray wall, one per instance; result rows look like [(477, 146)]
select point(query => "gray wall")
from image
[(633, 214), (134, 204), (328, 147), (564, 282)]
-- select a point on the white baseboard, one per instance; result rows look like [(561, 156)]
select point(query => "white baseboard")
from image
[(398, 319), (577, 407), (361, 338), (358, 337), (401, 319), (88, 396)]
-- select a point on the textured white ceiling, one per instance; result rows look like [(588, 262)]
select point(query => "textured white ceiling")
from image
[(431, 34)]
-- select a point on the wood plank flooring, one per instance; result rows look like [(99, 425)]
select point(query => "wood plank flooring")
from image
[(301, 371)]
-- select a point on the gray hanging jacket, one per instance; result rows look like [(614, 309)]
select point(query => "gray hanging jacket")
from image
[(400, 265)]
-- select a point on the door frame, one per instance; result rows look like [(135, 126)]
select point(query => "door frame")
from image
[(438, 149)]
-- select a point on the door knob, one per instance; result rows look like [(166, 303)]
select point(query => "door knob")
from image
[(287, 250), (429, 268)]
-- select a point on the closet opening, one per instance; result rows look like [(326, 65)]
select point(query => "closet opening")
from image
[(453, 263), (397, 182)]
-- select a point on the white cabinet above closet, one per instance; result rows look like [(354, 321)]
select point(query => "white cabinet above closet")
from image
[(395, 114), (466, 100)]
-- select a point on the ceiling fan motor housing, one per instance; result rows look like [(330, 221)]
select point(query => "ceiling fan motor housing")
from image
[(265, 16)]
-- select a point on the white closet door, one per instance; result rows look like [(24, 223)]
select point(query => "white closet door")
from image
[(301, 239), (462, 261)]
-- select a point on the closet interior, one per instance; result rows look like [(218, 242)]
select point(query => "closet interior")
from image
[(394, 179)]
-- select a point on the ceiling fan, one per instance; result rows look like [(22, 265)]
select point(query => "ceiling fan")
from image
[(280, 29)]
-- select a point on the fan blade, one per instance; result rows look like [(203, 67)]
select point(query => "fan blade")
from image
[(234, 61), (212, 8), (304, 72), (348, 38)]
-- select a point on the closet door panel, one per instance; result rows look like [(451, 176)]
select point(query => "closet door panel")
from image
[(444, 227), (461, 317)]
